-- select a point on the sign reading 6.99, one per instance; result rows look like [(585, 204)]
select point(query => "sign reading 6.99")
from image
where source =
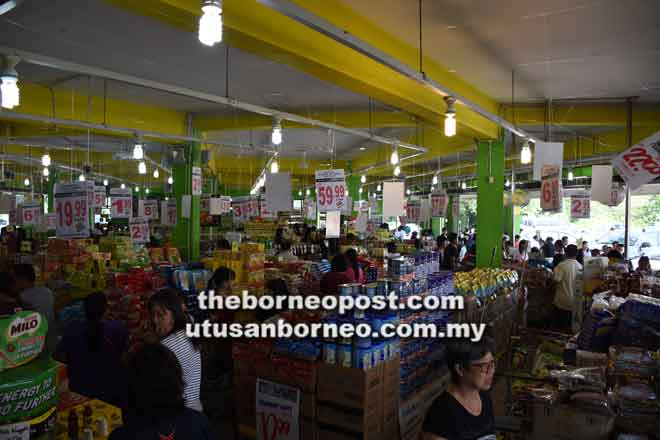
[(71, 211)]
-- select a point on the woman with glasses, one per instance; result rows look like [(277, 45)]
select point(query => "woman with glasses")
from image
[(464, 411)]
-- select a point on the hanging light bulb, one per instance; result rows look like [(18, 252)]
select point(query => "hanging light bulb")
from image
[(274, 166), (167, 198), (156, 173), (397, 170), (408, 191), (307, 192), (46, 172), (276, 135), (363, 179), (507, 183), (45, 160), (105, 182), (138, 152), (463, 185), (170, 180), (360, 190), (378, 188), (299, 193), (142, 168), (394, 158), (26, 182), (210, 24), (137, 189), (9, 91), (526, 154), (123, 186), (435, 179), (81, 178), (450, 117), (571, 176), (432, 188), (146, 190)]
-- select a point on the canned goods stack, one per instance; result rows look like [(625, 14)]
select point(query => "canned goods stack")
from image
[(441, 283)]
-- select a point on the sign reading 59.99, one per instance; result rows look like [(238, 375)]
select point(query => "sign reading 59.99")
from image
[(331, 190), (71, 210)]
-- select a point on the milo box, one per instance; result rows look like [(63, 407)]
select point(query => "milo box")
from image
[(22, 337)]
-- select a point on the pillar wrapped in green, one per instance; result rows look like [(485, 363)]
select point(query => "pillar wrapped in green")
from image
[(490, 203)]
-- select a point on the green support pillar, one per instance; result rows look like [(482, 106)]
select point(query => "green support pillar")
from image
[(452, 220), (187, 230), (512, 220), (490, 203), (50, 187)]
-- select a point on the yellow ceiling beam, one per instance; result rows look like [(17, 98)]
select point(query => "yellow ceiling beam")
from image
[(260, 30), (588, 115)]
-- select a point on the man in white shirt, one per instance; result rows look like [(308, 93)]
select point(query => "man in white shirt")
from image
[(566, 278)]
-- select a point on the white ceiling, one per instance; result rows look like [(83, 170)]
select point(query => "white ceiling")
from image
[(557, 48)]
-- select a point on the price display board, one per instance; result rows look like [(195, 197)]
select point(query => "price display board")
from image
[(616, 197), (30, 214), (413, 211), (439, 202), (99, 197), (220, 205), (196, 181), (241, 205), (331, 191), (640, 164), (581, 206), (263, 210), (51, 221), (550, 189), (148, 209), (205, 204), (121, 202), (278, 411), (139, 228), (72, 210), (168, 212)]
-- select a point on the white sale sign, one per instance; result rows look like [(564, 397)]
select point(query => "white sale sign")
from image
[(196, 181), (439, 202), (148, 209), (168, 212), (640, 164), (121, 203), (309, 209), (581, 206), (139, 228), (72, 210), (51, 221), (30, 214), (263, 210), (331, 191), (220, 205), (99, 196), (550, 189), (278, 410), (241, 206)]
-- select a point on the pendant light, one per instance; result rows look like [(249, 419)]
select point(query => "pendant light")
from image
[(105, 182), (435, 179), (26, 182), (299, 193), (526, 154), (360, 190), (507, 183), (397, 170), (274, 166), (464, 185), (379, 188), (138, 152), (170, 180), (571, 176), (363, 179), (45, 160), (307, 192), (9, 91), (450, 117), (123, 186), (146, 191), (210, 24), (156, 173), (46, 172), (142, 168), (408, 191), (394, 158), (433, 189), (137, 189), (276, 135), (81, 178)]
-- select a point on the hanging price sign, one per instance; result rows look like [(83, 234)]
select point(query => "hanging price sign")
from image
[(550, 189), (331, 191), (640, 164), (196, 181), (139, 228), (205, 204), (581, 206), (240, 205), (309, 209), (263, 210), (220, 205), (30, 214), (99, 197), (121, 203), (72, 210), (168, 212), (616, 197), (439, 202), (51, 221), (413, 211), (148, 209), (253, 207)]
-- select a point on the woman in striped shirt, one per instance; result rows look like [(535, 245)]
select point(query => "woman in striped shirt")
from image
[(170, 324)]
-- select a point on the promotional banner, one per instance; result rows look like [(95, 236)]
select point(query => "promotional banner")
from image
[(168, 212), (332, 224), (99, 197), (51, 221), (331, 190), (550, 189), (616, 196), (205, 204), (264, 212), (278, 192), (581, 205), (121, 203), (72, 210), (393, 200), (30, 214), (640, 164), (439, 202), (241, 207), (139, 227), (278, 409), (196, 181), (148, 209), (413, 211)]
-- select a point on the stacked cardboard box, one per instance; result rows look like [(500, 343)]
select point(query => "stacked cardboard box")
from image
[(358, 404)]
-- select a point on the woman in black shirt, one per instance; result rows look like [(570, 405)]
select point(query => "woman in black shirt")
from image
[(464, 411)]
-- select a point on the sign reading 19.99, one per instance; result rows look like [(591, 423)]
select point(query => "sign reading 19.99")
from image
[(331, 190), (72, 210)]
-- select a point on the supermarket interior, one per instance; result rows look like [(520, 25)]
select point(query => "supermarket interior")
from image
[(258, 219)]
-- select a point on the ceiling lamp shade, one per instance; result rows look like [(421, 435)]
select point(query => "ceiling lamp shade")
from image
[(276, 135), (450, 117), (526, 154), (45, 160), (142, 168), (210, 23), (10, 96), (394, 158)]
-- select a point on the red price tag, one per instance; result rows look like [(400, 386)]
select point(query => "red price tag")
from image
[(580, 206), (641, 163), (31, 214), (139, 228), (72, 215), (331, 193)]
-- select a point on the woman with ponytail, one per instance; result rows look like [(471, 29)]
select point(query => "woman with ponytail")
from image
[(93, 350)]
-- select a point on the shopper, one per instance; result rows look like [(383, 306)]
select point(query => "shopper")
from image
[(565, 276), (549, 248), (157, 408), (615, 254), (170, 326), (442, 245), (93, 352), (354, 271), (464, 410), (564, 241), (644, 266), (520, 255), (516, 241), (10, 302), (336, 276), (450, 258), (560, 253), (285, 255), (40, 299), (584, 251), (400, 233), (595, 252), (507, 250), (223, 245)]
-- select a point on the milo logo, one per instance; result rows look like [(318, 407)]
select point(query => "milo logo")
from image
[(22, 326)]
